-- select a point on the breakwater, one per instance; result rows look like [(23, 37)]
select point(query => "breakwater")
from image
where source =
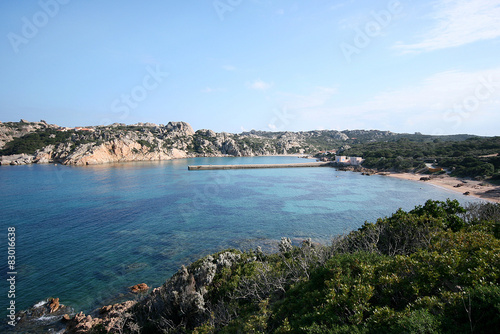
[(252, 166)]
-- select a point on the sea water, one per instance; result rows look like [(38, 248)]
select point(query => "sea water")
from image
[(86, 234)]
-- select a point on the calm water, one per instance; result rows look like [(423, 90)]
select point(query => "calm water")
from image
[(85, 234)]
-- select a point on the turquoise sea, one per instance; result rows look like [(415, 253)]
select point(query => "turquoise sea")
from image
[(85, 234)]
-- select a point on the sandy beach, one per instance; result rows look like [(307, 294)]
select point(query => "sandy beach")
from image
[(479, 189)]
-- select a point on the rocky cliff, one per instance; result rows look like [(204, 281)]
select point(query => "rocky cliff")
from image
[(38, 142)]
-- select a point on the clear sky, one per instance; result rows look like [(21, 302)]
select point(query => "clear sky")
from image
[(236, 65)]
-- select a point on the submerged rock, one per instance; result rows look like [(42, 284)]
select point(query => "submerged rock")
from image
[(54, 305), (141, 287), (47, 315)]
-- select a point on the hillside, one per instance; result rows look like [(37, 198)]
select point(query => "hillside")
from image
[(26, 142), (473, 157), (38, 142)]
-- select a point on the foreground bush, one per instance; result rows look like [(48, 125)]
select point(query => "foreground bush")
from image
[(434, 269)]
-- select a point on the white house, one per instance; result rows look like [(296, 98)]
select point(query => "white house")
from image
[(341, 159), (354, 161)]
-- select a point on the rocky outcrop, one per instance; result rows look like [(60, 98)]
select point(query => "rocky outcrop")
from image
[(147, 141), (181, 128), (16, 159), (43, 316), (181, 300), (141, 287), (111, 318), (116, 150), (54, 305), (357, 169), (367, 134), (11, 130)]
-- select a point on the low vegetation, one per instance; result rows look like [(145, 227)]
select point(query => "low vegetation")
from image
[(475, 157), (34, 141), (434, 269)]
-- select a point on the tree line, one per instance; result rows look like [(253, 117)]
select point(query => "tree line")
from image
[(473, 157)]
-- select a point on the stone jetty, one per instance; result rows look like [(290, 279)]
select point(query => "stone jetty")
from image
[(252, 166)]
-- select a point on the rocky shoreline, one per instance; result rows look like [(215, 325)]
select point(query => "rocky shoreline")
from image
[(182, 296)]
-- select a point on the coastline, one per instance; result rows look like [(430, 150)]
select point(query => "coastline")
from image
[(29, 159), (478, 189)]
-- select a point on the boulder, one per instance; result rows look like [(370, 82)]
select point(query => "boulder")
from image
[(182, 128), (54, 305), (111, 319), (47, 313), (142, 287)]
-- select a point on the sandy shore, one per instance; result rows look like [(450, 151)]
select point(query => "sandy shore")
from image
[(477, 189)]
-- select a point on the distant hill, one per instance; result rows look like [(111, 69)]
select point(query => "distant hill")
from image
[(38, 142)]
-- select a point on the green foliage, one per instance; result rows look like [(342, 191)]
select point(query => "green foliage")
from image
[(448, 211), (477, 310), (469, 166), (484, 217), (151, 146), (418, 293), (398, 164), (143, 142), (466, 158), (254, 320), (434, 269), (405, 232), (168, 143), (336, 294), (34, 141)]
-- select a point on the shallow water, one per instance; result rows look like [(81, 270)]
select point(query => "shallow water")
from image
[(85, 234)]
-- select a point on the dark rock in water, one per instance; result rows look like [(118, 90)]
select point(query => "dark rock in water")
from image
[(42, 317), (142, 287), (54, 305)]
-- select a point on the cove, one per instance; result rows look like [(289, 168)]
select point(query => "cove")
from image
[(85, 234)]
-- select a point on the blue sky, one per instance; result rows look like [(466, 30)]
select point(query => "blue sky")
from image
[(236, 65)]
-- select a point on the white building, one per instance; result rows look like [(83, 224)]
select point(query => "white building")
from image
[(353, 161)]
